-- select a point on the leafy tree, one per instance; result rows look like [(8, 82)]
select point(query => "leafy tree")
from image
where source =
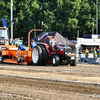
[(63, 16), (85, 20)]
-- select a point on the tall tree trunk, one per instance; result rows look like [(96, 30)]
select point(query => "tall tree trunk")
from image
[(72, 34)]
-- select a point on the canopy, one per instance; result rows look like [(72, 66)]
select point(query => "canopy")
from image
[(59, 38)]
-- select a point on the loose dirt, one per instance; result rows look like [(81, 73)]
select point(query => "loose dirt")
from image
[(21, 82)]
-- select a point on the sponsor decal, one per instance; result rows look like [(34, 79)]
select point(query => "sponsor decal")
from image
[(16, 53), (98, 60), (41, 37), (20, 53)]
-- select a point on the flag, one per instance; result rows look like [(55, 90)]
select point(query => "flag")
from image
[(4, 22)]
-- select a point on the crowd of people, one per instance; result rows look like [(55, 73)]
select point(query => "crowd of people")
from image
[(96, 52)]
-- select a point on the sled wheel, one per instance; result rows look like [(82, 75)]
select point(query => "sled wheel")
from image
[(55, 60), (20, 58), (44, 55), (37, 55), (1, 58), (73, 63)]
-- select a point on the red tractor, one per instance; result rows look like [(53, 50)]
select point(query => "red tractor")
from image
[(42, 54)]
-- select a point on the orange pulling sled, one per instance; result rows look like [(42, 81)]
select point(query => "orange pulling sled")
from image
[(10, 54)]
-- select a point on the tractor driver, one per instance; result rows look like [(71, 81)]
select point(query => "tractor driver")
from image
[(52, 42), (20, 47)]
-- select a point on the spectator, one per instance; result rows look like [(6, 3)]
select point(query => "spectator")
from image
[(98, 53), (20, 47), (94, 53), (52, 42), (33, 44), (86, 53), (95, 49), (80, 52)]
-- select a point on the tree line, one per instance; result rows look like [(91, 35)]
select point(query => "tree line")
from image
[(63, 16)]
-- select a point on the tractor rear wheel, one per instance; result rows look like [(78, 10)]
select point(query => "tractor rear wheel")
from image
[(1, 58), (45, 56), (37, 55), (55, 60)]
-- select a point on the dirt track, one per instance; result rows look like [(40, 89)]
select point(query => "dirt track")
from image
[(21, 82)]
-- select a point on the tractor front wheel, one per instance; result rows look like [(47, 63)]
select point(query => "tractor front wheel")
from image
[(73, 63), (55, 60)]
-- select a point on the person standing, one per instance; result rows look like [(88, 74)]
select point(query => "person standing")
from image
[(98, 53), (94, 53), (86, 53), (80, 52)]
